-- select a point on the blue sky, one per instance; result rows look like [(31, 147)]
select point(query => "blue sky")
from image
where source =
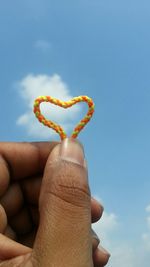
[(100, 48)]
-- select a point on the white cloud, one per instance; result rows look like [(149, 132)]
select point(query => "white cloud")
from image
[(148, 222), (123, 252), (29, 88), (148, 208), (146, 235), (124, 256), (146, 240), (107, 225), (42, 45)]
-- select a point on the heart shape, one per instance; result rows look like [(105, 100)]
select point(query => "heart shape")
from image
[(63, 104)]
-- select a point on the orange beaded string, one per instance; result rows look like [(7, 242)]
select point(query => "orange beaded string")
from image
[(63, 104)]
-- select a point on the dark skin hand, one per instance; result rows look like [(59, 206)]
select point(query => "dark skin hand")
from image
[(44, 219)]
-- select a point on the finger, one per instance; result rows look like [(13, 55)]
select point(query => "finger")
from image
[(23, 260), (34, 212), (65, 210), (32, 195), (95, 240), (21, 223), (3, 219), (100, 257), (10, 233), (12, 201), (96, 209), (28, 239), (25, 159), (4, 176), (10, 248)]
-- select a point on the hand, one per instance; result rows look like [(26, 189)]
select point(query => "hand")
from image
[(62, 235)]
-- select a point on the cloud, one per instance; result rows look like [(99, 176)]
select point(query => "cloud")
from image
[(148, 208), (107, 225), (124, 253), (29, 88), (42, 45), (146, 235), (146, 240)]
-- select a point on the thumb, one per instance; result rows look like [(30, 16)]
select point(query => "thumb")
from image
[(64, 234)]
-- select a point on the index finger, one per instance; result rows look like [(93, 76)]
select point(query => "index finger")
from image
[(25, 159)]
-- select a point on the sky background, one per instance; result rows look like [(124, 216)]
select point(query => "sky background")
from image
[(99, 48)]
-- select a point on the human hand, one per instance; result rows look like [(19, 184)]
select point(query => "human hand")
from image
[(62, 235)]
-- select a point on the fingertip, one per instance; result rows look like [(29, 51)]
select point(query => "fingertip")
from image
[(100, 257), (96, 209), (10, 248), (72, 150), (95, 240)]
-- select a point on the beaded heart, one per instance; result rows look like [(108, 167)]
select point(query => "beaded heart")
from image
[(63, 104)]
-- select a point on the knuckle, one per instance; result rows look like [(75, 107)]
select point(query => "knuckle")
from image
[(69, 183)]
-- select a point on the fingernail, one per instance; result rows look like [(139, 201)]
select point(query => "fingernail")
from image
[(94, 235), (72, 150), (104, 251)]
